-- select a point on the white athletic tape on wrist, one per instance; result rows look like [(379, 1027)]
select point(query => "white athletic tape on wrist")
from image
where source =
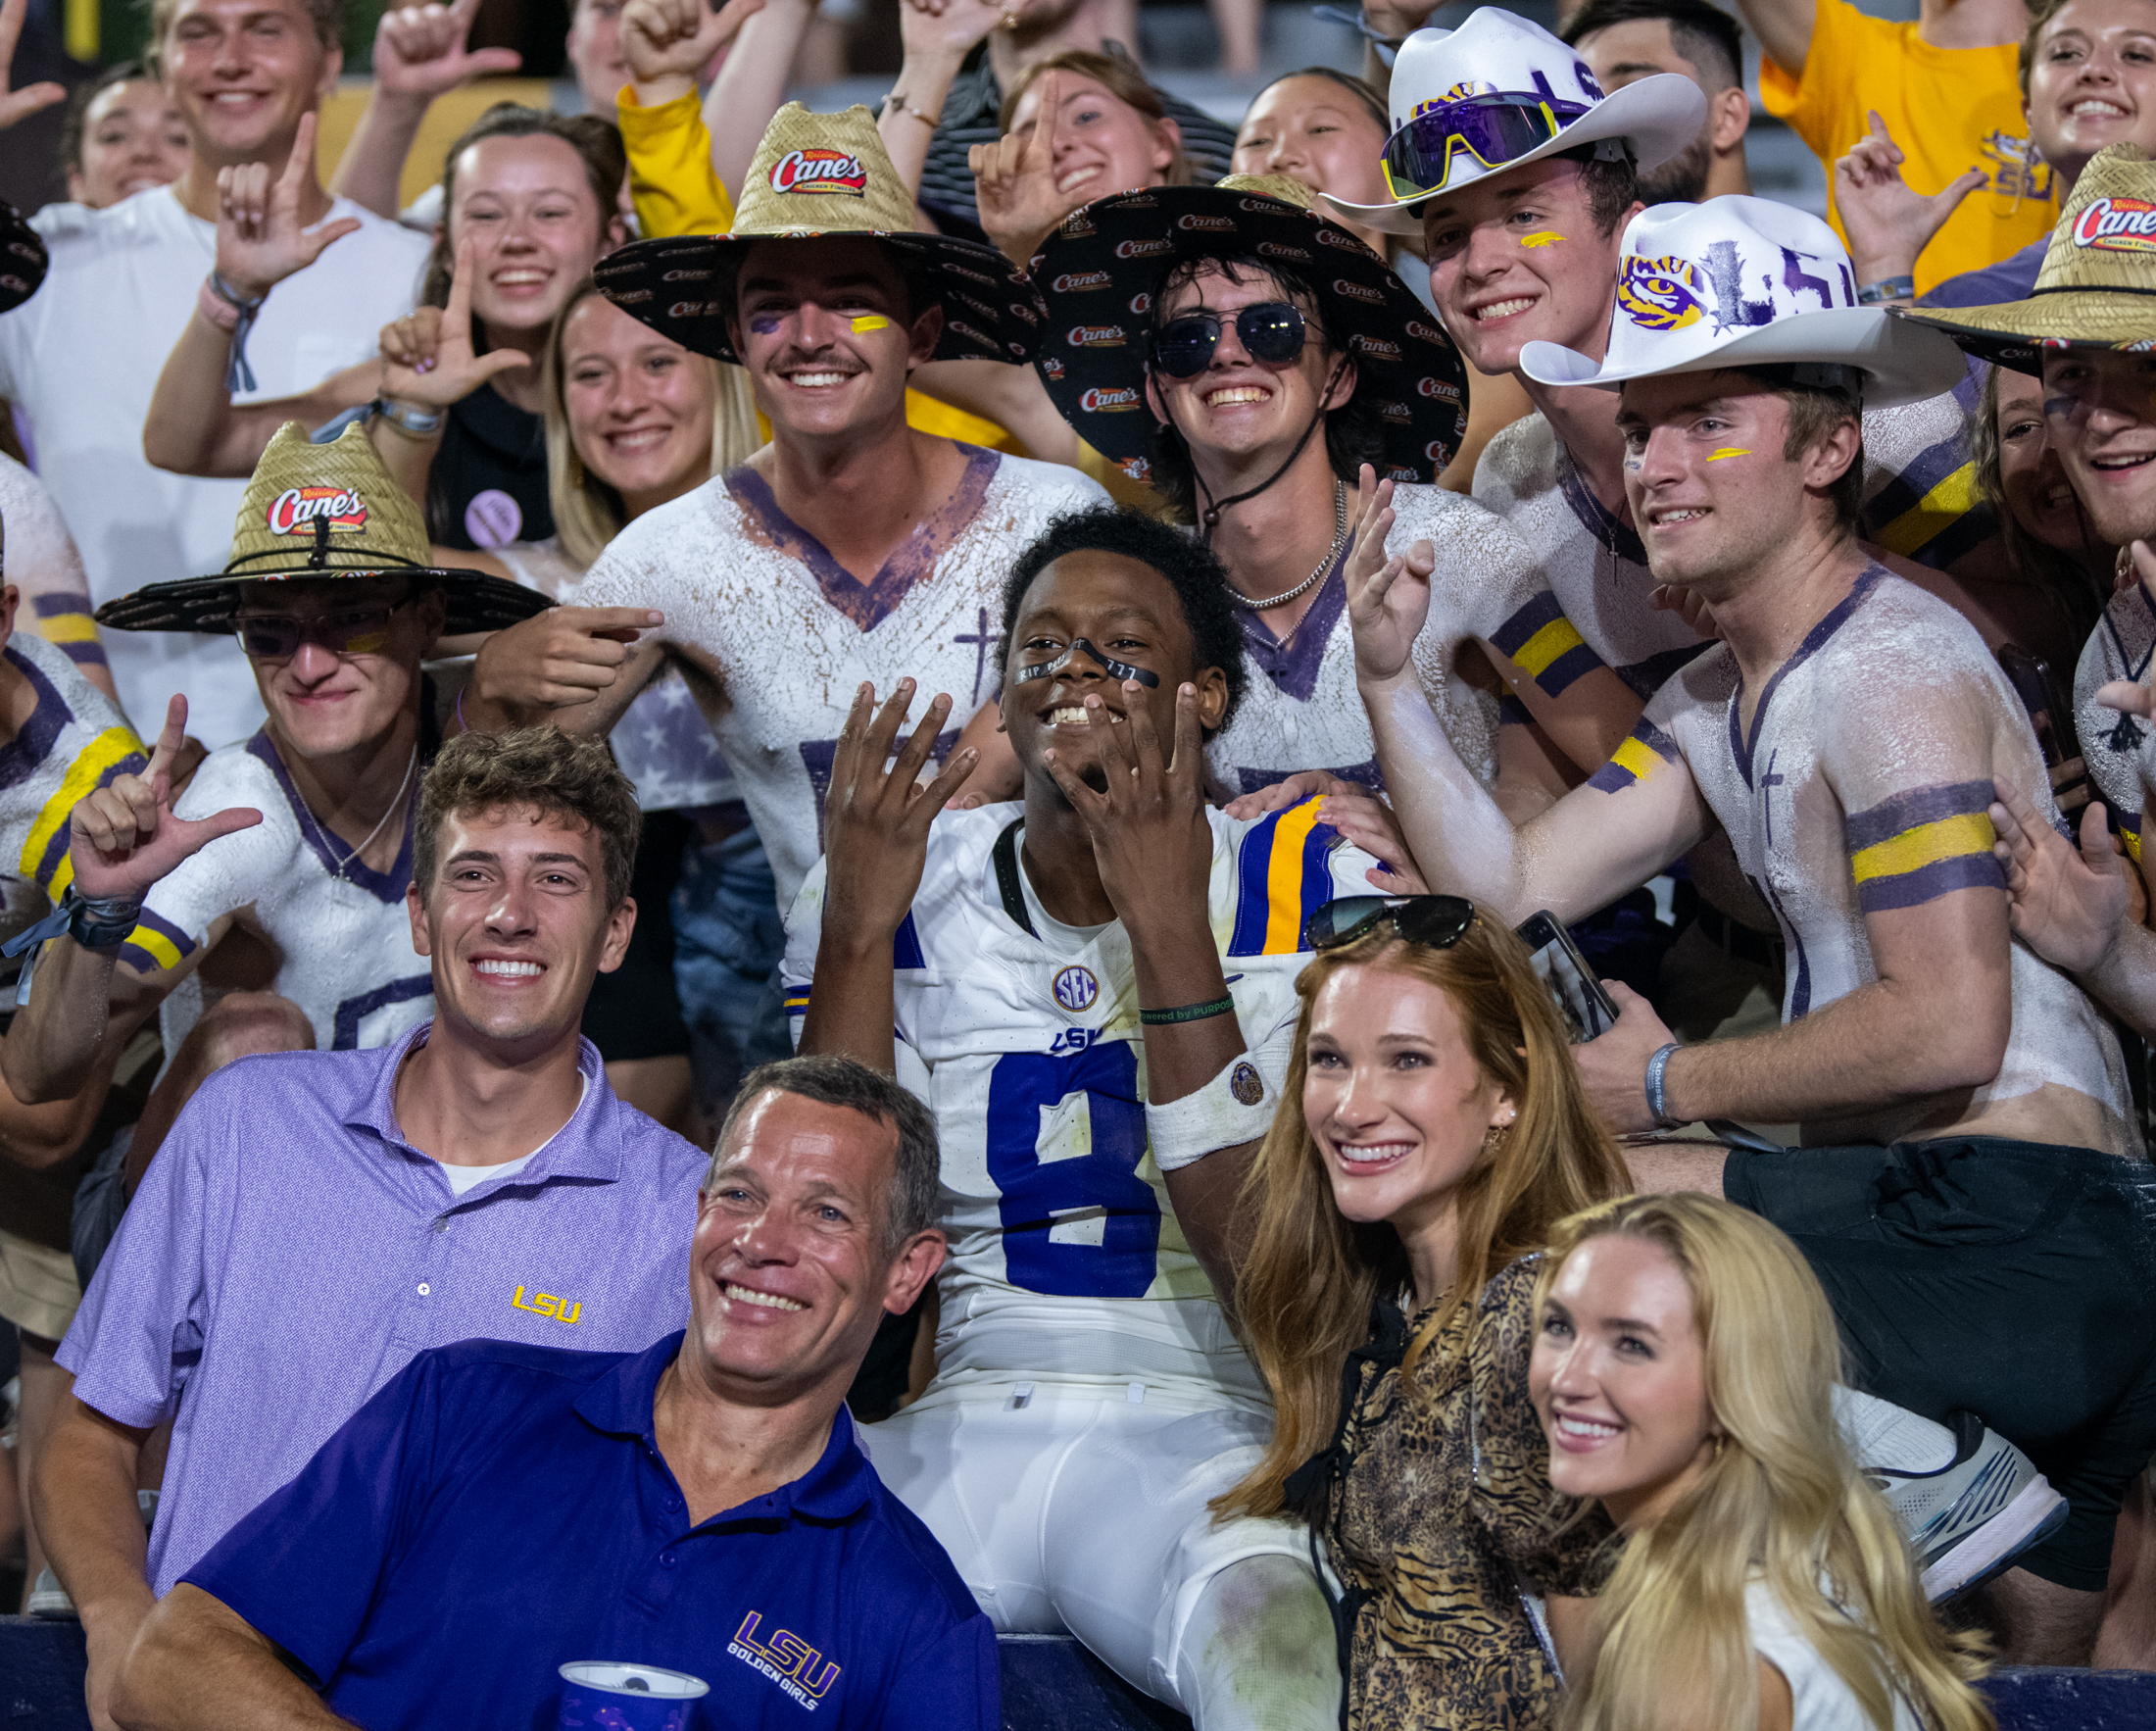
[(1235, 1106)]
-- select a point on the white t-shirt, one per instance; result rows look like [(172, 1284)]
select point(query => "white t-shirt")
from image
[(1821, 1701), (790, 635), (1065, 1256), (81, 358), (464, 1180)]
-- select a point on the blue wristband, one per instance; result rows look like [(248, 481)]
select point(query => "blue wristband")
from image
[(1657, 1098)]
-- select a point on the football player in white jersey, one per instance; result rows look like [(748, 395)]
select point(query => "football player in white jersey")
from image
[(300, 837), (850, 547), (1094, 991), (1244, 355), (1845, 735)]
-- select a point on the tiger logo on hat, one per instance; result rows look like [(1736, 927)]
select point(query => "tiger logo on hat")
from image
[(1661, 294)]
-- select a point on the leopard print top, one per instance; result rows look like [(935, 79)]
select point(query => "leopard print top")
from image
[(1442, 1517)]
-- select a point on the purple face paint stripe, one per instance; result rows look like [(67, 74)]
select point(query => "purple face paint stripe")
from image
[(1912, 889), (1918, 805)]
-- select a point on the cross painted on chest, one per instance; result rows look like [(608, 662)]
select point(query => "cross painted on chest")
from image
[(980, 640), (1766, 800)]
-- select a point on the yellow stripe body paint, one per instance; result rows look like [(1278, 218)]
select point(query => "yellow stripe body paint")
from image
[(1542, 239), (868, 322), (1726, 453)]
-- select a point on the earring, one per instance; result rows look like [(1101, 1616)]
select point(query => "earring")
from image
[(1720, 1437)]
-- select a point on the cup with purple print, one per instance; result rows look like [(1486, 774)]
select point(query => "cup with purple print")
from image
[(605, 1695)]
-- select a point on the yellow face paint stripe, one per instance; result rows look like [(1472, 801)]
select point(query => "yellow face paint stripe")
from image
[(868, 322), (83, 775), (1557, 638), (1726, 453), (1924, 845), (1543, 239), (1953, 497), (1284, 879)]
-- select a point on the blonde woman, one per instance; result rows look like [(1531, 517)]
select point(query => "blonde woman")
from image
[(1683, 1368), (1442, 1132)]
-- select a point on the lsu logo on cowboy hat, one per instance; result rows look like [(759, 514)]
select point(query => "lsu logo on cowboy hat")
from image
[(820, 171), (1661, 294), (296, 511), (2117, 224)]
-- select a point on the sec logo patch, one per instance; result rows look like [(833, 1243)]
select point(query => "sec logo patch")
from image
[(1075, 988)]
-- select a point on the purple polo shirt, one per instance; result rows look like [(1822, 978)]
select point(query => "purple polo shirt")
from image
[(288, 1251)]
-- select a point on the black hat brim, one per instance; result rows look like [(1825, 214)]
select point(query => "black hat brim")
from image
[(1096, 271), (22, 259), (680, 287), (477, 600)]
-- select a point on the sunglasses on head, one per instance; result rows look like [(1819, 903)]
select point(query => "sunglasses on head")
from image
[(1272, 331), (1493, 129), (362, 631), (1439, 921)]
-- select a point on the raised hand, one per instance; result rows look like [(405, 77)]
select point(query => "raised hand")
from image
[(123, 837), (1388, 596), (676, 39), (419, 51), (1150, 840), (946, 29), (559, 658), (19, 105), (876, 818), (2068, 900), (1369, 821), (1015, 181), (260, 240), (427, 355), (1887, 224)]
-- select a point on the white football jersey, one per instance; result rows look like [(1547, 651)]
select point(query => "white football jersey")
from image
[(2115, 746), (341, 932), (1301, 708), (1065, 1254), (790, 635)]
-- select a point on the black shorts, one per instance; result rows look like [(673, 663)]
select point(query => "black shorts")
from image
[(2014, 1279), (634, 1011)]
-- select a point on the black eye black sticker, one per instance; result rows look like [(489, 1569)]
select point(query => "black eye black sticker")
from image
[(1114, 668)]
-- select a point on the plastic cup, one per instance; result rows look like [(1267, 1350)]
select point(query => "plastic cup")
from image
[(605, 1695)]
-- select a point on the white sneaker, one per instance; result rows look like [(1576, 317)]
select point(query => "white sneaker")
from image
[(1969, 1519)]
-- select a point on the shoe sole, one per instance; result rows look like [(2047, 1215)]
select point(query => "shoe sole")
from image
[(2036, 1513)]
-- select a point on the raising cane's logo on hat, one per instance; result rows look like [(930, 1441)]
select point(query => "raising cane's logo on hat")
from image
[(1443, 390), (1358, 291), (2115, 224), (820, 171), (1661, 294), (1099, 401), (1079, 282), (296, 510), (1377, 348), (1052, 367), (1193, 223), (1274, 249), (686, 276), (1142, 249), (1096, 336)]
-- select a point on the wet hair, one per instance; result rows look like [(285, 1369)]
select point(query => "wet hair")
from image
[(327, 16), (75, 128), (1704, 35), (1351, 434), (1361, 90), (1199, 579), (568, 776), (1815, 411), (911, 1201), (1120, 78), (597, 143)]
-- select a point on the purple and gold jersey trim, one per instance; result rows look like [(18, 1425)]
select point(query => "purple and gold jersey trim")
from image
[(1646, 750), (1922, 844), (1539, 639), (45, 858), (1282, 875), (2129, 824), (63, 620), (156, 945)]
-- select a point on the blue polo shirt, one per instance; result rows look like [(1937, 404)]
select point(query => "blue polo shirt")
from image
[(497, 1510)]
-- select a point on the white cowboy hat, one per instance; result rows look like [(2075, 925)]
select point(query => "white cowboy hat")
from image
[(1742, 282), (1500, 92)]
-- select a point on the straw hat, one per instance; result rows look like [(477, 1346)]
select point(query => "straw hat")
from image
[(1495, 55), (815, 177), (22, 259), (1099, 267), (321, 510), (1742, 281), (2097, 287)]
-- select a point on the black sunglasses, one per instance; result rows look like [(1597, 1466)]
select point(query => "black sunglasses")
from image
[(1272, 331), (1439, 921), (278, 636)]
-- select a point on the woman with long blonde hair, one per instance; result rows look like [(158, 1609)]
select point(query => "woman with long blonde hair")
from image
[(1433, 1131), (1683, 1368)]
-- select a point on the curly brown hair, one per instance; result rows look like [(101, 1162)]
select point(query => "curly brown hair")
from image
[(558, 774)]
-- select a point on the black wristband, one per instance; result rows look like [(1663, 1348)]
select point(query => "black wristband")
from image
[(1165, 1018)]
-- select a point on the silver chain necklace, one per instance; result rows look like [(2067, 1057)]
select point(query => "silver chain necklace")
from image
[(1325, 564), (395, 805)]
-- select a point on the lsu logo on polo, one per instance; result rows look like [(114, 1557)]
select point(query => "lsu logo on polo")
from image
[(2116, 226), (1661, 294), (296, 511), (1096, 336), (820, 171), (545, 1303), (1079, 282), (1075, 988), (786, 1659), (1099, 401)]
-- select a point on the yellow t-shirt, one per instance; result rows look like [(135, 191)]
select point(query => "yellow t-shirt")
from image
[(677, 191), (1951, 110)]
